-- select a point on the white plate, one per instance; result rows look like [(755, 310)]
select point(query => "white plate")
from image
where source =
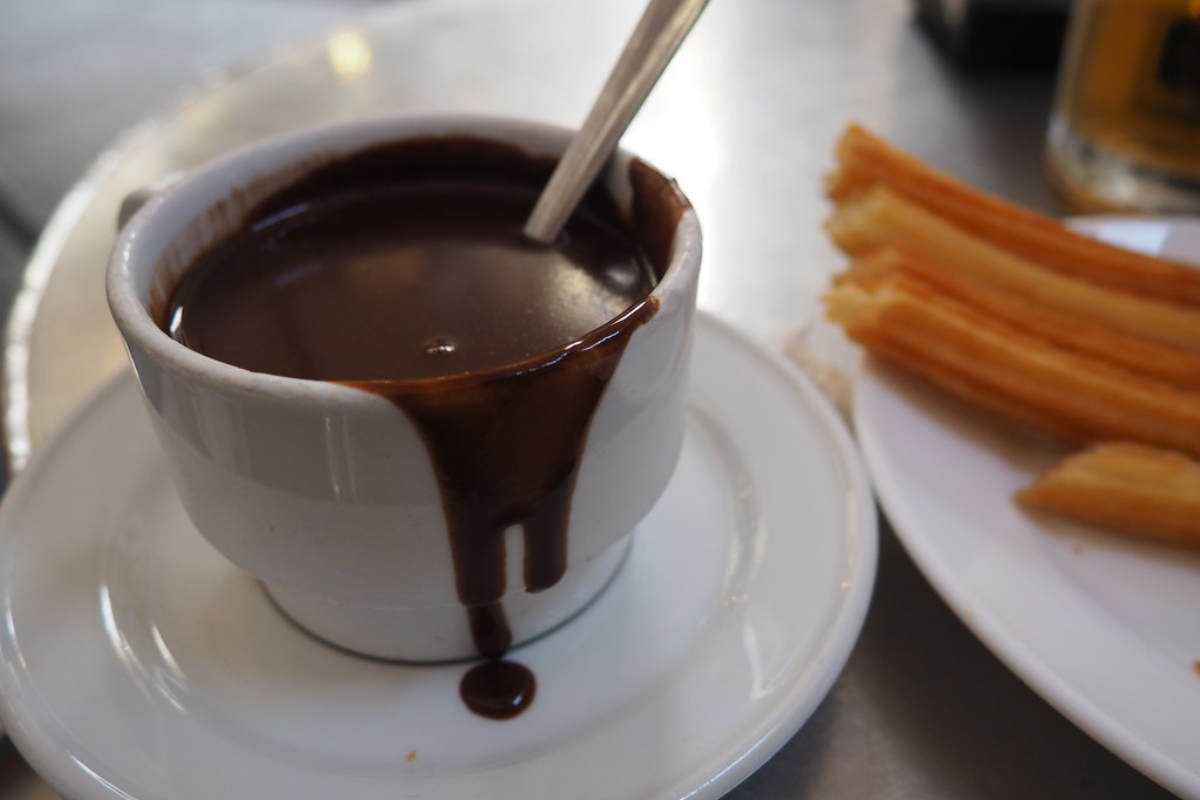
[(138, 663), (1104, 628)]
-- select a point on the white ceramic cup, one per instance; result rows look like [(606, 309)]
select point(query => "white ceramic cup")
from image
[(325, 492)]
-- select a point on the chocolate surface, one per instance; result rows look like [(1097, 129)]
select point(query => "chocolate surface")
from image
[(403, 271), (415, 280)]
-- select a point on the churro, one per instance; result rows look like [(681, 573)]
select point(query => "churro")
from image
[(865, 161), (880, 218), (1014, 313), (1180, 368), (1128, 487), (996, 365)]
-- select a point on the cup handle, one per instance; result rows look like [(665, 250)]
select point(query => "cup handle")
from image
[(140, 196)]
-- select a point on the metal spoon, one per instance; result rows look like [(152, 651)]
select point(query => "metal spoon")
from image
[(661, 30)]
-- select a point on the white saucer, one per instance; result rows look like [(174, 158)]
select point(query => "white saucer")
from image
[(1106, 628), (137, 663)]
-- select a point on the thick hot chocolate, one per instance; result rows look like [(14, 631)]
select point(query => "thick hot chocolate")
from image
[(414, 280), (403, 271)]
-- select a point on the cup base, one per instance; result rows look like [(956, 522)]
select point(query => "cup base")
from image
[(1094, 179), (442, 633)]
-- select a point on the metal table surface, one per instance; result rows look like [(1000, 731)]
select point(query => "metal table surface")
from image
[(745, 119)]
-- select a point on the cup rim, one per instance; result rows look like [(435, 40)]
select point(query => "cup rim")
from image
[(138, 327)]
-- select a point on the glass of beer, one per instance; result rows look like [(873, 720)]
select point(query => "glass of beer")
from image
[(1125, 131)]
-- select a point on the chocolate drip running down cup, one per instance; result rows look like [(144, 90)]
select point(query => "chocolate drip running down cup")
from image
[(376, 268)]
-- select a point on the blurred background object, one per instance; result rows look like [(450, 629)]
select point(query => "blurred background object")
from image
[(1125, 131), (997, 34), (76, 73)]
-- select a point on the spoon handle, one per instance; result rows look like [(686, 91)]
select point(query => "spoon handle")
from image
[(661, 30)]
